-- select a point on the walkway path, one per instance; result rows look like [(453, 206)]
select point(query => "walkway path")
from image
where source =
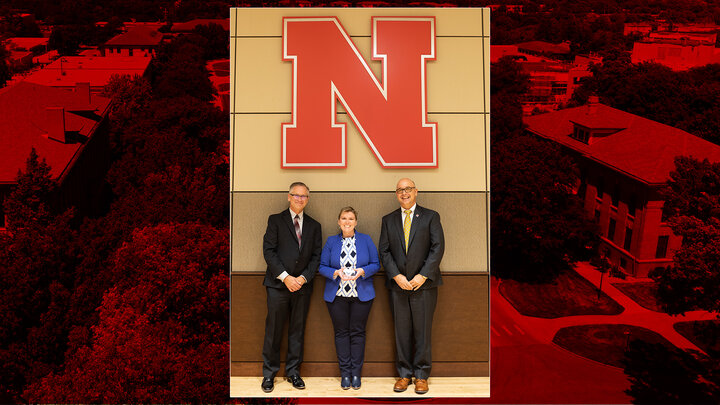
[(545, 329)]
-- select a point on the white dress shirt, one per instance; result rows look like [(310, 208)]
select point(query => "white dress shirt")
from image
[(284, 274), (412, 213)]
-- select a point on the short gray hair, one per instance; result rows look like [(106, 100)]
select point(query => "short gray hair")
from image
[(298, 183)]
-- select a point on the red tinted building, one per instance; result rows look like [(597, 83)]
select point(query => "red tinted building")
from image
[(559, 51), (677, 54), (66, 71), (66, 128), (624, 160), (189, 26), (139, 40), (22, 51), (552, 82)]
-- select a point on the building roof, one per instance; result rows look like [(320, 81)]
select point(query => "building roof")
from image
[(24, 125), (546, 66), (190, 25), (139, 35), (19, 55), (26, 43), (68, 70), (642, 148), (545, 47)]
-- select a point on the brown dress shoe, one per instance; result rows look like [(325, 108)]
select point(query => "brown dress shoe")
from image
[(402, 384), (421, 386)]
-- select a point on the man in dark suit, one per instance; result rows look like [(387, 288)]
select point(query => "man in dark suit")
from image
[(292, 247), (411, 247)]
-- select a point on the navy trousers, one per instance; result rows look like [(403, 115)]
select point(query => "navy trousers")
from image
[(349, 316)]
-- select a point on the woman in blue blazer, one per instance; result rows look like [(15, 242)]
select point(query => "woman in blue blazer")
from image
[(348, 261)]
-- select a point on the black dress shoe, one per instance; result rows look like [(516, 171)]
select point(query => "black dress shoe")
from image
[(268, 384), (296, 381), (345, 383), (356, 382)]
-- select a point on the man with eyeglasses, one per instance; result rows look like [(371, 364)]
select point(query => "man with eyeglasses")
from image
[(411, 248), (291, 246)]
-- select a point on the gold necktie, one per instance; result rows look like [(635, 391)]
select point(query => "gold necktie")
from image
[(406, 228)]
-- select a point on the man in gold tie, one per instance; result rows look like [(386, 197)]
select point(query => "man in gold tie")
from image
[(411, 248)]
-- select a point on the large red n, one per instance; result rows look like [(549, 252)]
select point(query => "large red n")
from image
[(391, 114)]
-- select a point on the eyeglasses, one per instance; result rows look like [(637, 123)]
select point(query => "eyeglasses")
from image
[(404, 190), (299, 196)]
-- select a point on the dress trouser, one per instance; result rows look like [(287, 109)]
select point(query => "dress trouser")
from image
[(349, 317), (413, 313), (281, 303)]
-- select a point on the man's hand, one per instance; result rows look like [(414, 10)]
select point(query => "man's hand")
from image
[(403, 282), (293, 283), (417, 281)]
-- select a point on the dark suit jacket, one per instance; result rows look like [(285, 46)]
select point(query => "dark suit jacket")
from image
[(426, 247), (282, 253)]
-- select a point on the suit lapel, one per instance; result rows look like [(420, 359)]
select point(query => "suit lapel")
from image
[(291, 225), (418, 216), (399, 234)]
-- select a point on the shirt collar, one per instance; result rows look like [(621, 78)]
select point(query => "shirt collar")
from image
[(292, 214), (412, 209)]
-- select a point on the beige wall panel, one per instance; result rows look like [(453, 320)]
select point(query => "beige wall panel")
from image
[(232, 103), (232, 153), (453, 84), (486, 22), (233, 74), (448, 21), (233, 22), (461, 158), (264, 80), (464, 218), (488, 118), (486, 77)]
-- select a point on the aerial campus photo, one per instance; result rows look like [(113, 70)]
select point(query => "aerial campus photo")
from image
[(599, 276)]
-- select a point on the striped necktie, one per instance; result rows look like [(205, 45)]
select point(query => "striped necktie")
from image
[(298, 232)]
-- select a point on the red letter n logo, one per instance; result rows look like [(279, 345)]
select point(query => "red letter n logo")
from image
[(391, 114)]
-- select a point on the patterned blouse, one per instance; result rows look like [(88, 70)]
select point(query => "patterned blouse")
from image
[(348, 260)]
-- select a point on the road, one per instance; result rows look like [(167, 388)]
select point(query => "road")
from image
[(527, 368)]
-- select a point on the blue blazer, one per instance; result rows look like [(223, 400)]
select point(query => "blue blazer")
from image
[(367, 259)]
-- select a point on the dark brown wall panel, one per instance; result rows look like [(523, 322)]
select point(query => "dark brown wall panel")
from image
[(460, 329)]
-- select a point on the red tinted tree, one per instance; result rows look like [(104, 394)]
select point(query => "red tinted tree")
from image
[(38, 254), (66, 39), (509, 84), (14, 25), (161, 335), (130, 96), (659, 375), (179, 70), (538, 225), (215, 40), (693, 207), (5, 73)]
